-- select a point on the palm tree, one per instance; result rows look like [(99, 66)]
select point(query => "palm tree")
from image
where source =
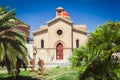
[(12, 49)]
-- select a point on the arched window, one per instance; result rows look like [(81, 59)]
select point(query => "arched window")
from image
[(42, 43), (77, 43)]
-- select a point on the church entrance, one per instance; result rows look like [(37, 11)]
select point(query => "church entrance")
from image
[(59, 51)]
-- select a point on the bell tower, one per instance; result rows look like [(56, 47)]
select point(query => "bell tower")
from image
[(60, 12)]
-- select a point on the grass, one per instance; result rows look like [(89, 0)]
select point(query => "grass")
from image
[(58, 73), (2, 68), (4, 75), (22, 73), (69, 76)]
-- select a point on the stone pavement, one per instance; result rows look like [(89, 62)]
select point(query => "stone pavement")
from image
[(3, 71)]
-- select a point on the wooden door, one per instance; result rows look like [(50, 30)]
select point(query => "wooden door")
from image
[(59, 51)]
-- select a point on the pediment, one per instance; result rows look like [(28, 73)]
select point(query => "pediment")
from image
[(59, 19), (40, 31), (79, 31)]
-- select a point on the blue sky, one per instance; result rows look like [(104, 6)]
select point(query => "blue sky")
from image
[(89, 12)]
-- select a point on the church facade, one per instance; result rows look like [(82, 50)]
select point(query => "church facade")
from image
[(55, 41)]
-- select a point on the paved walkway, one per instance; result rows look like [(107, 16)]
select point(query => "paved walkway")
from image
[(3, 71), (51, 77), (58, 75)]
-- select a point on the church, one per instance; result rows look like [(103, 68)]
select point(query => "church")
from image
[(55, 41)]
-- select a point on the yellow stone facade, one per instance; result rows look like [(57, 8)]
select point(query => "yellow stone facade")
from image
[(56, 40)]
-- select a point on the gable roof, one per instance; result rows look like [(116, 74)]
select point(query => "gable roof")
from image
[(80, 29), (59, 18), (41, 29)]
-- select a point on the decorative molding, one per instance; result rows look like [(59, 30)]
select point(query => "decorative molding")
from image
[(50, 48)]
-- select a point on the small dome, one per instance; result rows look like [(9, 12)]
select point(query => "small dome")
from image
[(59, 8), (65, 13)]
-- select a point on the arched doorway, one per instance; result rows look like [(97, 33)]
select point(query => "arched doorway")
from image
[(59, 51)]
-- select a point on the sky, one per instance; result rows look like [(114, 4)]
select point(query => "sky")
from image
[(89, 12)]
